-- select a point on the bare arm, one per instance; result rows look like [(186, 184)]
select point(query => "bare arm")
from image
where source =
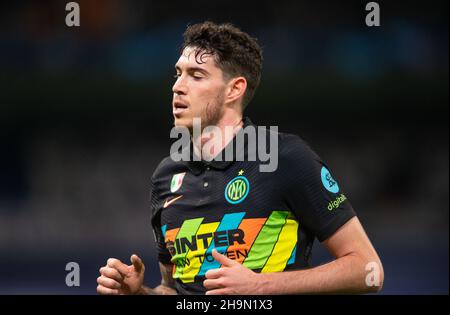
[(346, 274), (167, 286), (119, 278)]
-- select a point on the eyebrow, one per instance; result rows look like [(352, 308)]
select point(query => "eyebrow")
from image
[(192, 69)]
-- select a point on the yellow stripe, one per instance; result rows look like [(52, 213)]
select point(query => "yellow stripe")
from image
[(283, 248), (191, 271)]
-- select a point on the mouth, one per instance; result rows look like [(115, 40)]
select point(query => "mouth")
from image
[(178, 108)]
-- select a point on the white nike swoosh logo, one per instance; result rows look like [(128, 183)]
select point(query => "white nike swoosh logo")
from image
[(168, 202)]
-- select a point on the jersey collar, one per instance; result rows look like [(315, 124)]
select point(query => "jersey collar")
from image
[(197, 167)]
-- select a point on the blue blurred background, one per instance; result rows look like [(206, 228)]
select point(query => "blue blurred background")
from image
[(85, 116)]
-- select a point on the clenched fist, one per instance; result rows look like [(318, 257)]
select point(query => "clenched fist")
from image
[(119, 278)]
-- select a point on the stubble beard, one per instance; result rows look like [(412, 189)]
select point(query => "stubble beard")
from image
[(213, 112), (211, 115)]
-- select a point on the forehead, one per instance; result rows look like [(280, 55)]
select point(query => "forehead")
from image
[(188, 58)]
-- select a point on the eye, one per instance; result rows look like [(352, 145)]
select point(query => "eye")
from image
[(176, 75)]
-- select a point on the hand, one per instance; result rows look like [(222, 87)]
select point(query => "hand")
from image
[(233, 278), (119, 278)]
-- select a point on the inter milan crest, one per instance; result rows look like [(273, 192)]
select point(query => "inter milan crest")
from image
[(237, 189)]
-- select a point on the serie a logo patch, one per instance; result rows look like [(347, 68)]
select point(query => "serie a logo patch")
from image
[(328, 181)]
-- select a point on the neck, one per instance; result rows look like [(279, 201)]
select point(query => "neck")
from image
[(211, 141)]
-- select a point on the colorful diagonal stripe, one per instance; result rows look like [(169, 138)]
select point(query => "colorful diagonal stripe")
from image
[(267, 244), (191, 271), (229, 221), (283, 247), (251, 228), (292, 259), (188, 229), (266, 240)]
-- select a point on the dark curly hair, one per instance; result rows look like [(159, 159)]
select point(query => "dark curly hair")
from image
[(235, 52)]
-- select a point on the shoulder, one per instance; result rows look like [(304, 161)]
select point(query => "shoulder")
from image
[(166, 169), (287, 143), (293, 150)]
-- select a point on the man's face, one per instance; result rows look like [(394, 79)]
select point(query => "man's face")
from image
[(198, 91)]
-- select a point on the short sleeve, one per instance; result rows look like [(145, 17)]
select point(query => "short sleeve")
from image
[(310, 189), (158, 231)]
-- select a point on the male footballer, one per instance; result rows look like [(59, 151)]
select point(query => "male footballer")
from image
[(223, 226)]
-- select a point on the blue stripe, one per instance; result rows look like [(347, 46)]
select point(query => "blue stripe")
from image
[(292, 259), (163, 229), (230, 221)]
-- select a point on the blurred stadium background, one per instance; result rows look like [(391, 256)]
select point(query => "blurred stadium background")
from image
[(85, 117)]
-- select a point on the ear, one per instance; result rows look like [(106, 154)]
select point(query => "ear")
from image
[(236, 89)]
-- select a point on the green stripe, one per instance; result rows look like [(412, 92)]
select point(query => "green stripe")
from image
[(188, 229), (266, 240)]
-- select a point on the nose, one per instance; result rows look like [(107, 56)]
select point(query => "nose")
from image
[(179, 87)]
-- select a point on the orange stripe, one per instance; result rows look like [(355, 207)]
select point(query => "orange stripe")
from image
[(171, 235), (251, 228)]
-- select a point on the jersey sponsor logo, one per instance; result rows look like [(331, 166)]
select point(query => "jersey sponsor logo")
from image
[(237, 190), (176, 182), (337, 202), (220, 238), (168, 201), (327, 180), (265, 244)]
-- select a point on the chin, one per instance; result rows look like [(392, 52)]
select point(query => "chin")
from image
[(183, 122)]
